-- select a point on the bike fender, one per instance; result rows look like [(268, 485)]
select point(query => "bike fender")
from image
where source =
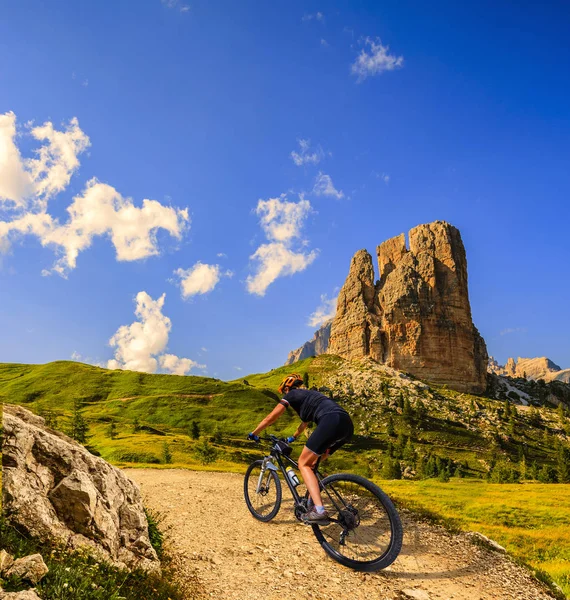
[(271, 466)]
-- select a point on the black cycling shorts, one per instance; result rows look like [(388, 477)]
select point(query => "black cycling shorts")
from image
[(332, 432)]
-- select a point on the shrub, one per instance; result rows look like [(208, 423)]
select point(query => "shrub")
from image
[(166, 454), (205, 452)]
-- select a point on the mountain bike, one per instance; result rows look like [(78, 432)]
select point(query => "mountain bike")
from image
[(364, 531)]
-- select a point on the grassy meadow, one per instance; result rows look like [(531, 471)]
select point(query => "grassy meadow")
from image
[(531, 520)]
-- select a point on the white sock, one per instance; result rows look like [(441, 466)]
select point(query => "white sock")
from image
[(320, 509)]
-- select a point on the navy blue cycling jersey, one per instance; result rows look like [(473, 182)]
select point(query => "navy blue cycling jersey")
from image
[(310, 405)]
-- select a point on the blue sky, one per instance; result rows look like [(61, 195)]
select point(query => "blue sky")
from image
[(452, 112)]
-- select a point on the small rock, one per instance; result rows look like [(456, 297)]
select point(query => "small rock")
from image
[(25, 595), (6, 561), (483, 540), (416, 594), (31, 568)]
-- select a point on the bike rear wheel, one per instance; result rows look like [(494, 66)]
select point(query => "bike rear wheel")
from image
[(365, 532), (262, 491)]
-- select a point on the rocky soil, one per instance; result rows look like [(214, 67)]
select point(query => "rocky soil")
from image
[(235, 557)]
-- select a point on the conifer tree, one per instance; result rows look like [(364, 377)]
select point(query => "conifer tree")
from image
[(79, 426), (112, 429), (390, 427), (563, 464)]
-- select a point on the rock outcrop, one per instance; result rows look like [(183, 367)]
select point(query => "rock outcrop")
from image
[(355, 330), (417, 317), (55, 489), (318, 344)]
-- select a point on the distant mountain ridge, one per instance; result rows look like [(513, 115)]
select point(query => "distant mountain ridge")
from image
[(530, 368), (318, 344)]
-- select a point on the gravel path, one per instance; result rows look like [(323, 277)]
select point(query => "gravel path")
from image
[(235, 557)]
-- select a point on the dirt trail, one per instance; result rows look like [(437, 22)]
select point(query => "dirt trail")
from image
[(236, 557)]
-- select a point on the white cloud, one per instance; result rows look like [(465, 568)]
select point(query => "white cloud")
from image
[(176, 365), (76, 356), (183, 8), (27, 185), (375, 60), (305, 156), (282, 221), (238, 368), (140, 346), (199, 279), (325, 187), (318, 16), (324, 43), (15, 182), (324, 312), (57, 158)]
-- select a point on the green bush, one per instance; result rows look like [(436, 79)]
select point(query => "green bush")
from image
[(205, 452)]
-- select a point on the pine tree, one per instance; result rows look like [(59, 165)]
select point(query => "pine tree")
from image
[(534, 416), (136, 425), (563, 464), (79, 426), (523, 467), (195, 430), (218, 436), (391, 469), (407, 411), (409, 454), (547, 474), (421, 411), (390, 427), (112, 429), (512, 425), (507, 410), (166, 454), (306, 379), (401, 400)]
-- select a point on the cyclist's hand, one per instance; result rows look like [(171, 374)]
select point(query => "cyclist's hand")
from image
[(253, 437), (290, 440)]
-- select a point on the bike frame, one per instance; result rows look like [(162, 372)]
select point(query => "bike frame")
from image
[(277, 455)]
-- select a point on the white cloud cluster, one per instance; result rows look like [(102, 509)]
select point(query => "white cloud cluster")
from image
[(374, 61), (199, 279), (140, 346), (324, 312), (26, 186), (325, 187), (30, 183), (282, 221), (305, 156)]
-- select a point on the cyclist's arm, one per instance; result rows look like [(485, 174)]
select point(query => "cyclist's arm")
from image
[(270, 419), (300, 430)]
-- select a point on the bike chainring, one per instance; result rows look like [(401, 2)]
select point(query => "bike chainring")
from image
[(301, 508)]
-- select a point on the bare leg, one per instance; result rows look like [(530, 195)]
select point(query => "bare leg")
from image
[(307, 461)]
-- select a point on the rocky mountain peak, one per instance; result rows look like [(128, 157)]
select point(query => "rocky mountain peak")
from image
[(417, 317)]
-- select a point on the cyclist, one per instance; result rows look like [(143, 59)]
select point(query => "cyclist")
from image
[(334, 429)]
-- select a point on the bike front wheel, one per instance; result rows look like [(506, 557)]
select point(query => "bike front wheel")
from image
[(365, 532), (262, 491)]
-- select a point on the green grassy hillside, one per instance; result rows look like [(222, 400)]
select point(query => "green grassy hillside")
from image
[(404, 428)]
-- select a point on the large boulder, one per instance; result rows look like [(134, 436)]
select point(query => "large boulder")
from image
[(55, 489)]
